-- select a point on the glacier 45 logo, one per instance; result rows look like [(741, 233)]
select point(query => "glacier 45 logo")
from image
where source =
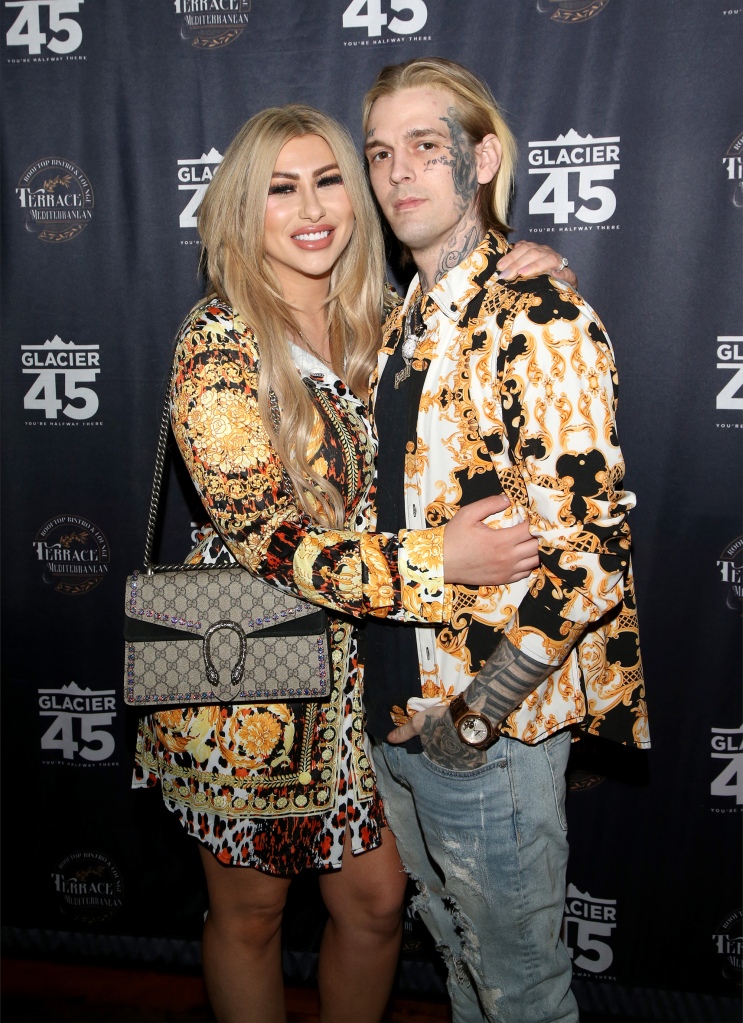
[(571, 166), (194, 176), (587, 927), (64, 34), (77, 722), (727, 745), (373, 20), (730, 357), (64, 362)]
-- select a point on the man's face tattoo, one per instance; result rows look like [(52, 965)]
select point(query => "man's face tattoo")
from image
[(423, 169), (461, 161)]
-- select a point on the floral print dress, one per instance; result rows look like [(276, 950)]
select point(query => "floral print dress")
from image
[(278, 786)]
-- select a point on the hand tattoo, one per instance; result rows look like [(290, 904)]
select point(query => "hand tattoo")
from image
[(442, 744)]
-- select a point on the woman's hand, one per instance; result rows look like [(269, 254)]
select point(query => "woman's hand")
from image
[(477, 555), (527, 259)]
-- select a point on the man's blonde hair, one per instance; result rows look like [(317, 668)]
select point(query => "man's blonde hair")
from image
[(231, 224), (477, 112)]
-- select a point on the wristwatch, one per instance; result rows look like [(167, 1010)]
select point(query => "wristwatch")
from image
[(473, 728)]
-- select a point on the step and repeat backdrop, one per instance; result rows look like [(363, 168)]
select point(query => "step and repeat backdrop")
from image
[(630, 126)]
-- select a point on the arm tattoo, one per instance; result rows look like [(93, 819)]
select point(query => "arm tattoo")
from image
[(506, 679)]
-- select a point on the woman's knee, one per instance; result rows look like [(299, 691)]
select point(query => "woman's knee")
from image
[(245, 905), (245, 926), (372, 899)]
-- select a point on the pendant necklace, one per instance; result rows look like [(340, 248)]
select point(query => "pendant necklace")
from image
[(414, 328)]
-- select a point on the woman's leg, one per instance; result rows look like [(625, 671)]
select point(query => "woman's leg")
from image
[(361, 943), (242, 943)]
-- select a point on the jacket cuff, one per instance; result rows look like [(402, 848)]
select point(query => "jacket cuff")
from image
[(420, 562)]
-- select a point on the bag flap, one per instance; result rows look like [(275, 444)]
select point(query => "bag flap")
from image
[(147, 630), (190, 602)]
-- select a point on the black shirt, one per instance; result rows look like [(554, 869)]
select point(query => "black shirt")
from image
[(389, 650)]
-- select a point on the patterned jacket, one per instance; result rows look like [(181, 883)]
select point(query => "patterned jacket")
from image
[(520, 396), (240, 479)]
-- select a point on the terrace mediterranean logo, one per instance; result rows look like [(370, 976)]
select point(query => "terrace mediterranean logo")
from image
[(56, 199)]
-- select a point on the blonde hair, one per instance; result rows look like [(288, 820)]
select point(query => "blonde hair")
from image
[(231, 225), (478, 114)]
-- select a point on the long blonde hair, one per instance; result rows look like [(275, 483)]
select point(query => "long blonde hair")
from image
[(479, 116), (231, 225)]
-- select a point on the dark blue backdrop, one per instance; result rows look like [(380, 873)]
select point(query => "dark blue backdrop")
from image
[(630, 127)]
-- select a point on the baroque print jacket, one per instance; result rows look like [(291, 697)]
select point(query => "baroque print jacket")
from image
[(240, 480), (520, 397)]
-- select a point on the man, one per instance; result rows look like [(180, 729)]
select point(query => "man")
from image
[(488, 386)]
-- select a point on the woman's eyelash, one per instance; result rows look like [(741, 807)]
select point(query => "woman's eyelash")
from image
[(287, 189)]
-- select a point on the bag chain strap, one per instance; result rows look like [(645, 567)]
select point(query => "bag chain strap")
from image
[(157, 481)]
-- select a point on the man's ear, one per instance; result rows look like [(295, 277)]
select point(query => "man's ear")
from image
[(488, 154)]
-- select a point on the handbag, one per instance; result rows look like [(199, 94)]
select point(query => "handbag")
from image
[(206, 635)]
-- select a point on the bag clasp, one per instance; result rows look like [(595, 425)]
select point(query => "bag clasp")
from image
[(238, 669)]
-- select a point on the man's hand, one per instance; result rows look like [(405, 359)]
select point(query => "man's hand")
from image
[(527, 259), (440, 740), (476, 555)]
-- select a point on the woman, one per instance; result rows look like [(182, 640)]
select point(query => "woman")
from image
[(294, 255)]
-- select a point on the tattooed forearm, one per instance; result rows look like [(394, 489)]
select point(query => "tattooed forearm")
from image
[(508, 677), (504, 681)]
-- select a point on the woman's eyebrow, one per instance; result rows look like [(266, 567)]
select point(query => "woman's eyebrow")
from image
[(293, 176)]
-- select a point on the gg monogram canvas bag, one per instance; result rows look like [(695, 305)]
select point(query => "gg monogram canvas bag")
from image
[(199, 634)]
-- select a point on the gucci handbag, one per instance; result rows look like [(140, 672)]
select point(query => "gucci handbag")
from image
[(206, 635)]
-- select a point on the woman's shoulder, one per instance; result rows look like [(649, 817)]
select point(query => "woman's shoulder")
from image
[(214, 321), (215, 315)]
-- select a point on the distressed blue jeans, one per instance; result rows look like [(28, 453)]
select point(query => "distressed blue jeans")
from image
[(488, 850)]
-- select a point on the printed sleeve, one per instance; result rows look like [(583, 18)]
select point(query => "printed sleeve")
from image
[(559, 388), (240, 479)]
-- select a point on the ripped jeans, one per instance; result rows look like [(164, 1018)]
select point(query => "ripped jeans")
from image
[(488, 849)]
